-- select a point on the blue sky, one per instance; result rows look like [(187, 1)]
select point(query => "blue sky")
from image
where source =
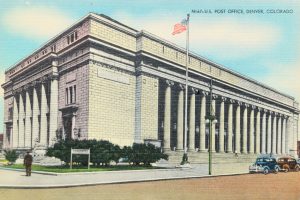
[(265, 47)]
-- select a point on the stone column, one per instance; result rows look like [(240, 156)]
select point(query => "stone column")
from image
[(274, 134), (245, 126), (238, 128), (15, 134), (21, 122), (167, 116), (44, 108), (53, 124), (192, 121), (28, 119), (263, 132), (229, 129), (221, 125), (202, 121), (269, 140), (251, 130), (284, 135), (257, 132), (35, 114), (279, 135), (213, 130), (180, 118)]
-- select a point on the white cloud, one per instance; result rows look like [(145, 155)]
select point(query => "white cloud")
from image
[(35, 22), (224, 37)]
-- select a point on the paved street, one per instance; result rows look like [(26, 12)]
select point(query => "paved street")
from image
[(254, 186)]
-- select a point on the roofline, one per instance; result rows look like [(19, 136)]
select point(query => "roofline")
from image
[(202, 58), (152, 36), (49, 41)]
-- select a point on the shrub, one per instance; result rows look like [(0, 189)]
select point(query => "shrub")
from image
[(102, 152), (143, 153), (11, 155)]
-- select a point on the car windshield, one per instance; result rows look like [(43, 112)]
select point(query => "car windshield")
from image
[(264, 160), (259, 160)]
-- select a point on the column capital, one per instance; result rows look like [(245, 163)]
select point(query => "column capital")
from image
[(44, 79), (264, 110), (19, 90), (271, 112), (214, 96), (27, 87), (259, 109), (253, 107), (35, 83), (232, 101), (14, 92), (223, 98), (169, 83), (181, 86), (194, 90), (53, 76), (239, 103), (204, 93), (246, 105)]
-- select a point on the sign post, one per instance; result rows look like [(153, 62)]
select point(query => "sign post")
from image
[(80, 152)]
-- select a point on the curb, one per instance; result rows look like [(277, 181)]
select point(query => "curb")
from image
[(114, 182), (93, 172)]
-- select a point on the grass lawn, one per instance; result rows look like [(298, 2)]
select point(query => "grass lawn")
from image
[(66, 169)]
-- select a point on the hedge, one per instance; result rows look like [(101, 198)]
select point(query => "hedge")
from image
[(104, 152)]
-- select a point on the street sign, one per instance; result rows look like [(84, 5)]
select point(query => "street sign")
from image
[(80, 152)]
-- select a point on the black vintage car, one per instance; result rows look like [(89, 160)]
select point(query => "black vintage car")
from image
[(265, 164)]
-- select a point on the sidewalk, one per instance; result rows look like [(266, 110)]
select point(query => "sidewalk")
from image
[(17, 179)]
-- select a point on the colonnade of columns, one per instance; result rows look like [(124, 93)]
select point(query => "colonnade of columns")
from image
[(35, 109), (241, 128)]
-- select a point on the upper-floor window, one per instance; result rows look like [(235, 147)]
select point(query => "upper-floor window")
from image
[(70, 95), (72, 37)]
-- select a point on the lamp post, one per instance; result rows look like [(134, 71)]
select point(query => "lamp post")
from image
[(211, 119)]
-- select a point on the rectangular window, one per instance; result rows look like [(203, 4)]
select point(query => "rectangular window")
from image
[(68, 38), (71, 94), (72, 38), (67, 96), (76, 36), (74, 93)]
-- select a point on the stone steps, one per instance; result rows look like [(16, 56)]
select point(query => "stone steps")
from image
[(199, 157)]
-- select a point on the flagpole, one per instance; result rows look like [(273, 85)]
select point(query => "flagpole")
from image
[(186, 84)]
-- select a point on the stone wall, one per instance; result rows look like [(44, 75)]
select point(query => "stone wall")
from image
[(111, 104), (79, 77), (146, 108), (112, 35)]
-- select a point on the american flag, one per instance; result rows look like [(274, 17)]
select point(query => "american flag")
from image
[(180, 27)]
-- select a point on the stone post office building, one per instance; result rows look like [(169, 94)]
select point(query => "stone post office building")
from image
[(104, 80)]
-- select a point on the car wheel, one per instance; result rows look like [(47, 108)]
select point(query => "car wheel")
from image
[(286, 168), (266, 171), (297, 168), (276, 169)]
